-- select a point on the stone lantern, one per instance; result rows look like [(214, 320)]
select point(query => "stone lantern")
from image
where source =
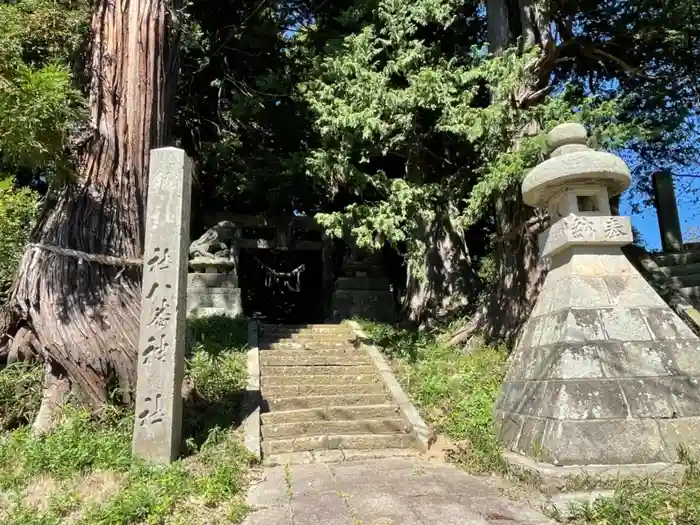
[(604, 373), (576, 185)]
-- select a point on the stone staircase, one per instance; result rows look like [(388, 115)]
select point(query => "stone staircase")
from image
[(681, 271), (675, 277), (323, 398)]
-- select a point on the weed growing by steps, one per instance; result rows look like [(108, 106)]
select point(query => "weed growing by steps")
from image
[(455, 392), (644, 503), (83, 472)]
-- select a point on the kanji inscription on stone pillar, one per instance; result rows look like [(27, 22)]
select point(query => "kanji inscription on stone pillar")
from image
[(161, 350)]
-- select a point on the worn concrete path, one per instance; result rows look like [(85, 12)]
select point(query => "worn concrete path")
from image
[(396, 491)]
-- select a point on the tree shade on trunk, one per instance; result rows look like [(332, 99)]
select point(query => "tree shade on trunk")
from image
[(520, 272), (83, 317)]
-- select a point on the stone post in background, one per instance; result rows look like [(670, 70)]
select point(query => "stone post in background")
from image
[(605, 373), (667, 212), (162, 339)]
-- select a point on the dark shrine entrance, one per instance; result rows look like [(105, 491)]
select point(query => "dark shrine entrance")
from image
[(284, 268), (282, 286)]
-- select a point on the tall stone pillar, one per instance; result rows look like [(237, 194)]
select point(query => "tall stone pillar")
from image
[(667, 212), (605, 373), (162, 338)]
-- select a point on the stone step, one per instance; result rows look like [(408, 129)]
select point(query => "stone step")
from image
[(362, 283), (331, 413), (311, 345), (322, 428), (347, 338), (335, 456), (301, 402), (675, 259), (691, 293), (337, 442), (302, 359), (310, 329), (281, 391), (684, 281), (317, 369), (306, 336), (321, 379), (681, 270), (309, 352)]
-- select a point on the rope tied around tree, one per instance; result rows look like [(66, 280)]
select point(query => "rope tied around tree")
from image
[(108, 260)]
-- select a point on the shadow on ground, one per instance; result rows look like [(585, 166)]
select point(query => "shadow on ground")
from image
[(216, 366)]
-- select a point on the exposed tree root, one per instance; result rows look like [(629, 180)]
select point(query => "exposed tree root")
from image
[(57, 388)]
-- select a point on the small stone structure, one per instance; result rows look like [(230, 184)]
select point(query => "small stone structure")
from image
[(605, 373), (212, 287), (362, 290), (162, 339)]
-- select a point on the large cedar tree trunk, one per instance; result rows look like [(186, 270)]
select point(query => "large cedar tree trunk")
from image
[(82, 317), (449, 283), (520, 271)]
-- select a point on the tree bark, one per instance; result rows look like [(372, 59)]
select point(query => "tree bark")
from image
[(451, 282), (520, 271), (84, 316)]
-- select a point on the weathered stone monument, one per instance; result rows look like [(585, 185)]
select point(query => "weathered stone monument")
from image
[(213, 283), (161, 350), (605, 373)]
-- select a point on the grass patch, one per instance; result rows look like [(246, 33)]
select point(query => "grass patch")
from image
[(20, 394), (644, 503), (83, 472), (455, 392)]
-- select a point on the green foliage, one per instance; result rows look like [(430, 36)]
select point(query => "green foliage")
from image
[(416, 122), (218, 334), (20, 394), (455, 392), (85, 471), (39, 104), (79, 445), (236, 107), (645, 503), (218, 368), (18, 211)]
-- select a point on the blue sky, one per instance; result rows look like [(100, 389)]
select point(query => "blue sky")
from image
[(646, 221)]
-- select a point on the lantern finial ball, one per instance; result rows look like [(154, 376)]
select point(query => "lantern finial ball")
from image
[(567, 134), (573, 163)]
